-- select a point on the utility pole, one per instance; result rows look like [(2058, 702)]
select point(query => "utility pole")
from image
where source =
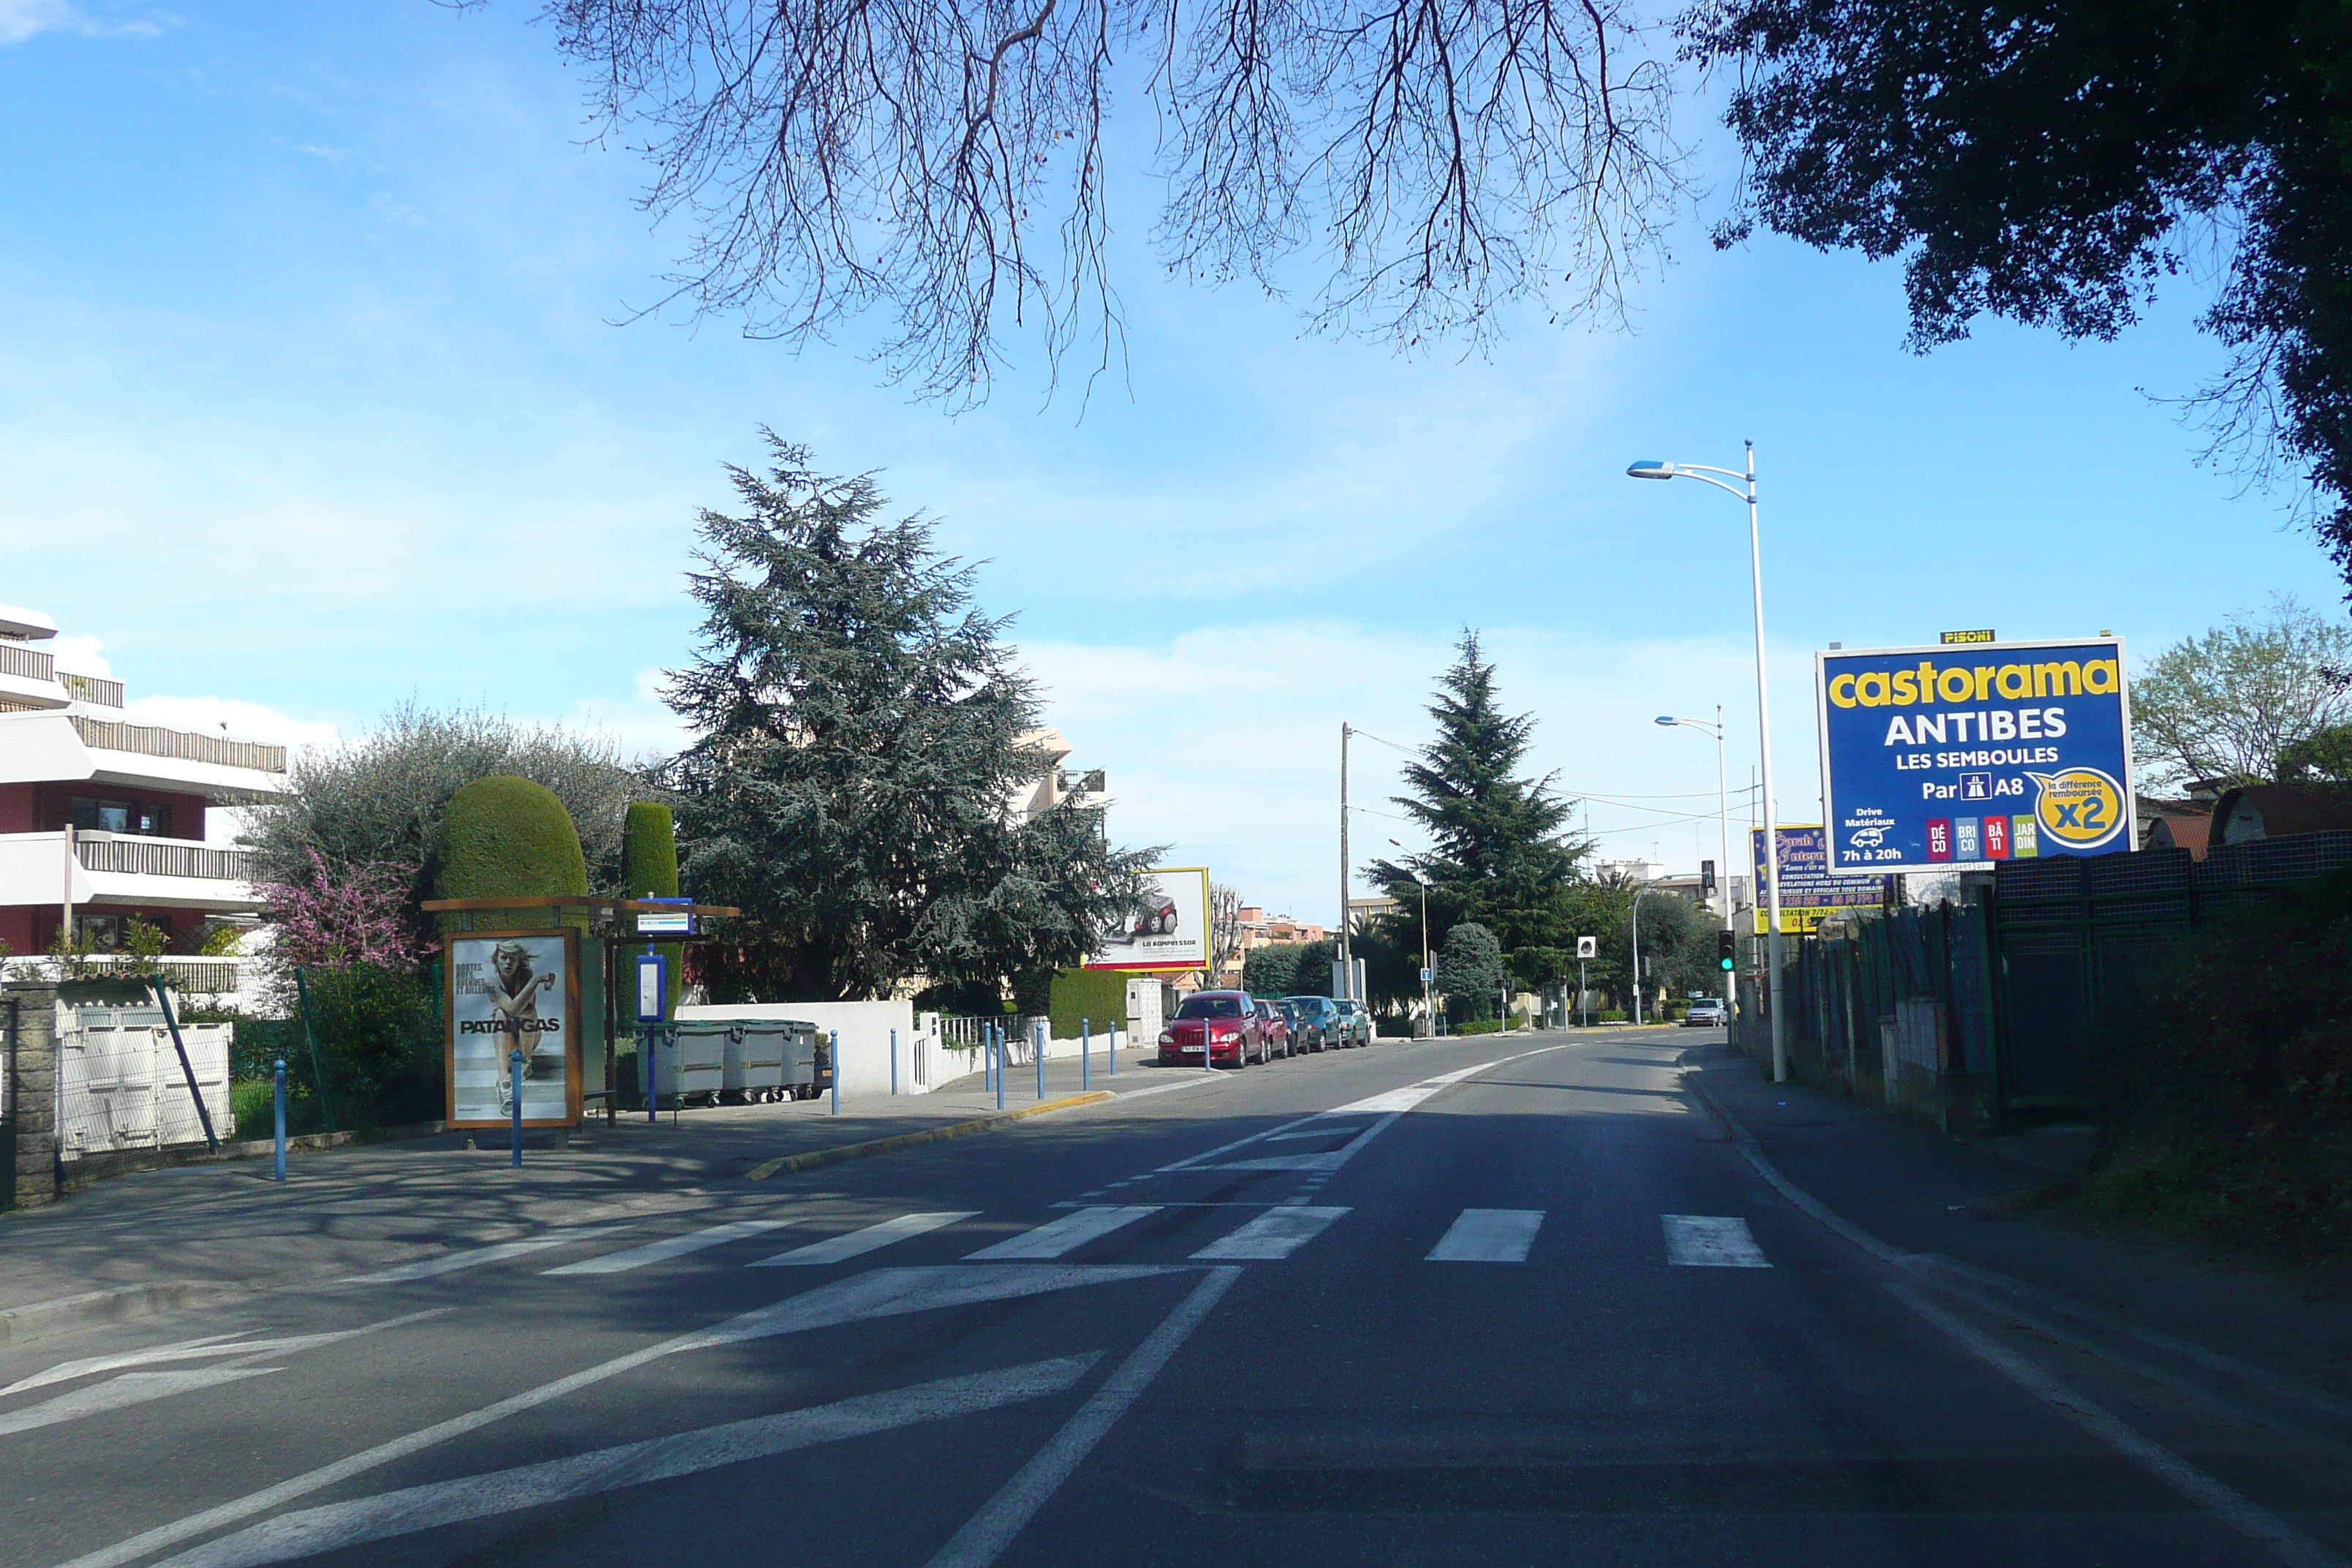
[(1346, 986)]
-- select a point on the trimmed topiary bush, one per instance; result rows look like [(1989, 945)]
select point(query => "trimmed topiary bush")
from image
[(506, 838), (649, 866)]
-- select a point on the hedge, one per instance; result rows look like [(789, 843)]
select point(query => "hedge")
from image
[(1095, 995)]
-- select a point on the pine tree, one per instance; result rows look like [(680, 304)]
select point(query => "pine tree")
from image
[(1500, 854), (859, 735)]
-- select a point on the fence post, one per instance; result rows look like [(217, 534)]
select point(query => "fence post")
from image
[(281, 1118)]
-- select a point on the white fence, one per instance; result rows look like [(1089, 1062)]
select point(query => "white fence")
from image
[(120, 1084), (929, 1053)]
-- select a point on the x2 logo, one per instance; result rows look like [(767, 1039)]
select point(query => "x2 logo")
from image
[(2079, 808)]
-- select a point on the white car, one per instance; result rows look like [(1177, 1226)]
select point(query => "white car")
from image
[(1705, 1014)]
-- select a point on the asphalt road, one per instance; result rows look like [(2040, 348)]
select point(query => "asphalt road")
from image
[(1515, 1300)]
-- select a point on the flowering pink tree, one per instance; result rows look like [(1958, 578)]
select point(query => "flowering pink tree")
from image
[(334, 920)]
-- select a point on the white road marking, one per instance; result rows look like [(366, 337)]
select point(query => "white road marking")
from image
[(857, 1243), (339, 1525), (885, 1292), (178, 1350), (1489, 1235), (116, 1393), (1066, 1234), (1388, 1105), (139, 1387), (671, 1247), (1310, 1133), (1711, 1241), (987, 1533), (475, 1258), (2286, 1543), (1276, 1233)]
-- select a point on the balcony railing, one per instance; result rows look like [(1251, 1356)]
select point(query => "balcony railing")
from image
[(92, 688), (163, 857), (210, 975), (16, 658), (112, 735)]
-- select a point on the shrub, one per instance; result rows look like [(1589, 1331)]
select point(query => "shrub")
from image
[(1099, 996), (2225, 1095), (506, 837), (649, 865)]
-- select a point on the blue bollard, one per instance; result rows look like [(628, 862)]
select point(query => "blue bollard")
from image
[(835, 1060), (894, 1062), (1114, 1050), (999, 1037), (281, 1119), (1086, 1055), (514, 1067), (650, 1043), (1037, 1044)]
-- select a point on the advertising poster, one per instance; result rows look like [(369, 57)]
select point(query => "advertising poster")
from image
[(1809, 891), (508, 990), (1944, 759), (1166, 928)]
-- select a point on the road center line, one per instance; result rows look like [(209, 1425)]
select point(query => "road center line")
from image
[(987, 1533)]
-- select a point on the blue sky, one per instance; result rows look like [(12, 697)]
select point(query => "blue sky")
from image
[(313, 400)]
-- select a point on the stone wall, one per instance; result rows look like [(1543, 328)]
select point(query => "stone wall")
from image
[(34, 1110)]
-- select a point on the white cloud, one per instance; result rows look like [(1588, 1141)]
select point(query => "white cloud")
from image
[(77, 652), (642, 723), (1224, 742), (21, 19), (240, 719)]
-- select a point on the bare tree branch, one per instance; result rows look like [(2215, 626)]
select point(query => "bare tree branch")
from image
[(945, 161)]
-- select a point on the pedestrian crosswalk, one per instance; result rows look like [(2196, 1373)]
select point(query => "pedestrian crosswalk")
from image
[(1489, 1235), (1068, 1234), (1270, 1234)]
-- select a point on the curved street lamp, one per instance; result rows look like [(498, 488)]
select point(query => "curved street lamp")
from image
[(1722, 796), (1745, 488)]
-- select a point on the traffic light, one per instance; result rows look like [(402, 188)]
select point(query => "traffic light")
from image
[(1727, 951)]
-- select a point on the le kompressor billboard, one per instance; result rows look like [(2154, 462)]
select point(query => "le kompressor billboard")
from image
[(1936, 759), (1167, 927)]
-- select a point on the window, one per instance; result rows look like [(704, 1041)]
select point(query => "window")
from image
[(91, 814), (1206, 1006), (103, 934)]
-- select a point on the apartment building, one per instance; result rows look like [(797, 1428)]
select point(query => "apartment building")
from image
[(102, 820)]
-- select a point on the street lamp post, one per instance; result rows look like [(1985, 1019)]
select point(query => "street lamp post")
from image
[(1722, 799), (1746, 491), (1428, 1006)]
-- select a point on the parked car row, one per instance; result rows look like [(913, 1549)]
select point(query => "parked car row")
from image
[(1240, 1028)]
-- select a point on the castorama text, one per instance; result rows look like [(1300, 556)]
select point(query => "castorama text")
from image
[(1938, 758)]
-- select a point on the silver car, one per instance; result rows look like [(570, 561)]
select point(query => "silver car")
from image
[(1355, 1022), (1705, 1014)]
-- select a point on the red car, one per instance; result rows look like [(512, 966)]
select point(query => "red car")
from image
[(1231, 1021)]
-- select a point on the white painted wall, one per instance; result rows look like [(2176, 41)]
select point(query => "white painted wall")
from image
[(865, 1030)]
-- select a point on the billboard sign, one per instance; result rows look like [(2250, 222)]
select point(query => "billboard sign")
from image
[(509, 990), (1167, 927), (1943, 759), (1808, 893)]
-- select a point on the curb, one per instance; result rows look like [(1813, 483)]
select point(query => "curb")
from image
[(840, 1153), (39, 1319)]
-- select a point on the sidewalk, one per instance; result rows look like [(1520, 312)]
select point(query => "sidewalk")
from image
[(1921, 1193), (225, 1227)]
